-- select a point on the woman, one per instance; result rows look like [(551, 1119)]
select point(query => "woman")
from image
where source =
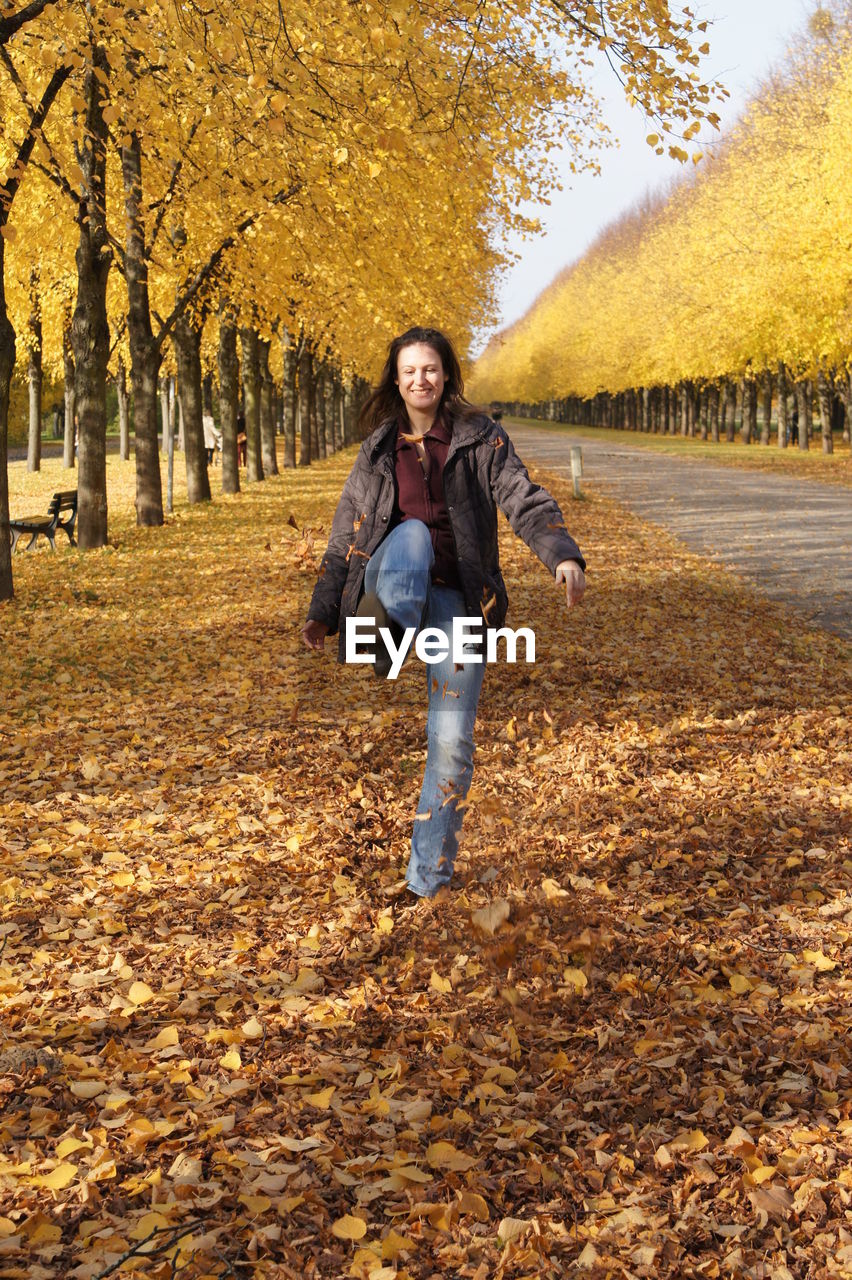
[(416, 531)]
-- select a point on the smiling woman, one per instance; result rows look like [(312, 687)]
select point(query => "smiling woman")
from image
[(413, 548)]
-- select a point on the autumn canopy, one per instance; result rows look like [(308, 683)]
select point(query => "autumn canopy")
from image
[(310, 177)]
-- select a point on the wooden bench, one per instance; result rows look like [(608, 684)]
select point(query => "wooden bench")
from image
[(59, 503)]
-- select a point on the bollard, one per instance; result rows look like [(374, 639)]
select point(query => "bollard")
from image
[(576, 468)]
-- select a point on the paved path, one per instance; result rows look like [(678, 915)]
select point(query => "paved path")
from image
[(792, 538)]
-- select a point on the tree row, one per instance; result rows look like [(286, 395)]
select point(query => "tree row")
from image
[(739, 278)]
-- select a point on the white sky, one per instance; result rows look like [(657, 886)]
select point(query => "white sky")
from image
[(747, 38)]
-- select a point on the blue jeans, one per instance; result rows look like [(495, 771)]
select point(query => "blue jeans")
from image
[(399, 574)]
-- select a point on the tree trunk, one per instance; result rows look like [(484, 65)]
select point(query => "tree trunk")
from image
[(7, 366), (319, 402), (290, 366), (847, 402), (802, 409), (187, 340), (145, 352), (731, 401), (749, 433), (704, 412), (181, 435), (305, 382), (34, 376), (824, 396), (312, 401), (337, 411), (90, 326), (349, 414), (781, 390), (714, 412), (330, 421), (123, 412), (251, 401), (267, 411), (229, 396), (174, 416), (69, 447), (766, 408)]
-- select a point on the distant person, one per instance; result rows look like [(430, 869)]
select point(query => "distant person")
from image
[(212, 437), (793, 428), (241, 439)]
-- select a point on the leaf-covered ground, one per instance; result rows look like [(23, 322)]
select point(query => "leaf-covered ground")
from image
[(621, 1048)]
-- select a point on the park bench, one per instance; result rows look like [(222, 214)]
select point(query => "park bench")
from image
[(48, 524)]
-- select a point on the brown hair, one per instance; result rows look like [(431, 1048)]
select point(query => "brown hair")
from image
[(385, 402)]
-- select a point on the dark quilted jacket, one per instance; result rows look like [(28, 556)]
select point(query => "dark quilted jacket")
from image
[(482, 472)]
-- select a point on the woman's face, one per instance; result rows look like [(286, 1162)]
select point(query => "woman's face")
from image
[(420, 377)]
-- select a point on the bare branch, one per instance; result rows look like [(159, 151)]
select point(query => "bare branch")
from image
[(10, 186), (12, 25)]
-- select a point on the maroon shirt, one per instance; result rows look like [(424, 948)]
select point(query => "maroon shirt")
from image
[(420, 495)]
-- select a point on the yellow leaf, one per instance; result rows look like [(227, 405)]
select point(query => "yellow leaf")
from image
[(440, 984), (662, 1157), (231, 1061), (58, 1178), (443, 1155), (820, 962), (385, 924), (68, 1146), (763, 1173), (740, 984), (165, 1039), (644, 1045), (375, 169), (123, 879), (140, 993), (511, 1228), (292, 844), (490, 917), (349, 1228), (341, 155), (255, 1204), (393, 1245), (322, 1099), (252, 1030), (147, 1223), (553, 889), (87, 1088), (588, 1258), (577, 979), (695, 1140), (45, 1233), (470, 1202)]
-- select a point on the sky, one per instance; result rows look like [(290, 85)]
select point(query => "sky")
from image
[(747, 38)]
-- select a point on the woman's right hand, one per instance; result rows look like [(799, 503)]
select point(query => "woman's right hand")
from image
[(314, 634)]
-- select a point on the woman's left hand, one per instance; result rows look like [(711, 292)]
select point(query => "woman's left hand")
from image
[(572, 575)]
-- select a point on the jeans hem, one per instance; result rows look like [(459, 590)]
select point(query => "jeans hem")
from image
[(422, 893)]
